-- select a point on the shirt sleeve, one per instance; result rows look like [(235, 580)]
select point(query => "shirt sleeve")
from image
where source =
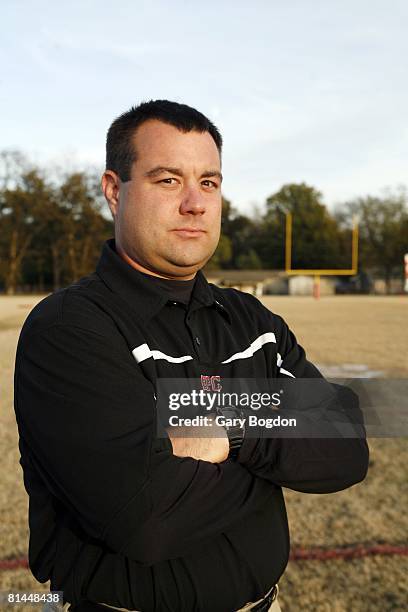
[(325, 461), (87, 416)]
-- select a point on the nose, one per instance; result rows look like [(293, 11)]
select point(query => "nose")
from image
[(193, 202)]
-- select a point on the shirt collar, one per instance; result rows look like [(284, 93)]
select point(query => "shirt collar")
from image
[(146, 298)]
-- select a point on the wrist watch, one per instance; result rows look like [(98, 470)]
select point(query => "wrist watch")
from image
[(235, 431)]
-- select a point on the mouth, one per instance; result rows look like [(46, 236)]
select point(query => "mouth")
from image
[(189, 232)]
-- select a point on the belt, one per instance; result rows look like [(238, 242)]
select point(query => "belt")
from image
[(262, 605), (92, 606)]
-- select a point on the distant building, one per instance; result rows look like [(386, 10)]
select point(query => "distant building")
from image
[(257, 282), (277, 282), (303, 285)]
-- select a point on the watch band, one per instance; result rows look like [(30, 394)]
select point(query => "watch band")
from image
[(235, 432)]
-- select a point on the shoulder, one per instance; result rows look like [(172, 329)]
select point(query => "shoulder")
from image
[(77, 305), (245, 304), (235, 298)]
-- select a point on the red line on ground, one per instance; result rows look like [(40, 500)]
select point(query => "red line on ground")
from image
[(6, 564), (347, 552), (297, 554)]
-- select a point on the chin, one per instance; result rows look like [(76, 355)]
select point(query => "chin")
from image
[(180, 266), (189, 261), (187, 266)]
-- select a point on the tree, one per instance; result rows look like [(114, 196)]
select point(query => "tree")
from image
[(222, 255), (25, 201), (83, 229), (249, 261), (316, 237), (241, 233), (383, 223), (51, 231)]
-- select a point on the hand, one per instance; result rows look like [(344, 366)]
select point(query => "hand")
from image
[(208, 443)]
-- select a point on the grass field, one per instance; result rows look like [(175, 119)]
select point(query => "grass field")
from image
[(370, 331)]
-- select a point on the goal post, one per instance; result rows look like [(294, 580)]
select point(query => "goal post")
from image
[(317, 273)]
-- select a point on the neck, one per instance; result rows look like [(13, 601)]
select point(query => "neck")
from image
[(145, 270)]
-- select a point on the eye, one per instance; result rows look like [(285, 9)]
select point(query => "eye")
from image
[(208, 183), (167, 181)]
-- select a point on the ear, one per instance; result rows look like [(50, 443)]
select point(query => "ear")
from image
[(110, 187)]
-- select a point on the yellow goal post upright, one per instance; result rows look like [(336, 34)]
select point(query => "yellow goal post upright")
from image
[(320, 272)]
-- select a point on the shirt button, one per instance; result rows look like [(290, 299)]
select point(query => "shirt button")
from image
[(197, 339)]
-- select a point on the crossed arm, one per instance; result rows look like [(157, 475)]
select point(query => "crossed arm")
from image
[(310, 464), (90, 434)]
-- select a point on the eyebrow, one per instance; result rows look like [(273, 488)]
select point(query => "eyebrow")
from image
[(178, 172)]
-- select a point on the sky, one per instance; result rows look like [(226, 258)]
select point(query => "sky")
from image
[(302, 90)]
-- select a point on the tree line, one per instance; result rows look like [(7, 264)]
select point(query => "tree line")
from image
[(53, 225)]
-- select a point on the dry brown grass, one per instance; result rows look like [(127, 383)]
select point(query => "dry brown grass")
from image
[(369, 330)]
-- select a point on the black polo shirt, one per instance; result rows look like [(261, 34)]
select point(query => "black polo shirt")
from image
[(114, 516)]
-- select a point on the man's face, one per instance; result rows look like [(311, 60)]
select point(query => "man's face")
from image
[(168, 216)]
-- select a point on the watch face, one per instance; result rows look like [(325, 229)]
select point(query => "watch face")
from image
[(233, 421), (229, 413)]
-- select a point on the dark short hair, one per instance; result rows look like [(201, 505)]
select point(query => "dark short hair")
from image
[(120, 152)]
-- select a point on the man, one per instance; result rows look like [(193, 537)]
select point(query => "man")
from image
[(120, 516)]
